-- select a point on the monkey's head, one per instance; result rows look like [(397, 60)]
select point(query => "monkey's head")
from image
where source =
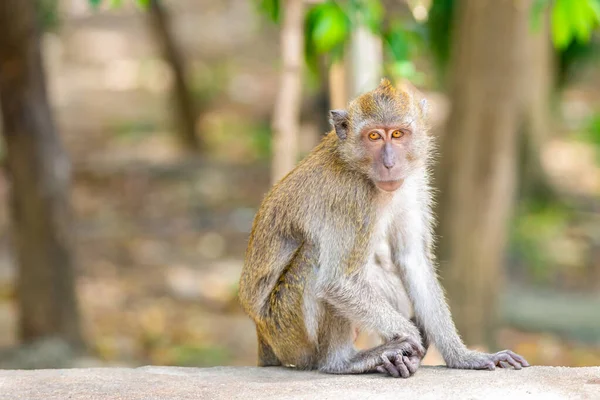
[(383, 134)]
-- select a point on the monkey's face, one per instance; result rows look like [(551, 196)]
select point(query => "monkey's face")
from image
[(383, 134), (389, 152)]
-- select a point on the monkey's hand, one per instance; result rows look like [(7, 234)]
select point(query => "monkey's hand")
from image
[(477, 360), (400, 358)]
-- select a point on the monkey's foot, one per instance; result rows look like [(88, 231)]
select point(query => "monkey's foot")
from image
[(401, 359), (502, 359), (399, 366)]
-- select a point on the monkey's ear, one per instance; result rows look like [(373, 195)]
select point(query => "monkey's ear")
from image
[(339, 121)]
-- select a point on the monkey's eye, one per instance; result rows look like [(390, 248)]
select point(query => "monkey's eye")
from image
[(397, 134), (374, 136)]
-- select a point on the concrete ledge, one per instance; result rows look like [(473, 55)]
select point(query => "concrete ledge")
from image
[(250, 383)]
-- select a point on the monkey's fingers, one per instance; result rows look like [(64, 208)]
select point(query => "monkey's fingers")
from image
[(517, 357), (491, 365), (390, 368), (401, 366), (412, 364), (502, 356)]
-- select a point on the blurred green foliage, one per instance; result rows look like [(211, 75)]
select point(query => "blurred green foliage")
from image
[(594, 129), (117, 3), (329, 26), (573, 20), (439, 29), (261, 140), (572, 26), (200, 356), (592, 133), (47, 14), (133, 130), (270, 8), (535, 229), (327, 29)]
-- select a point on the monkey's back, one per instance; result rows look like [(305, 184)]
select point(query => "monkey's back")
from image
[(315, 203)]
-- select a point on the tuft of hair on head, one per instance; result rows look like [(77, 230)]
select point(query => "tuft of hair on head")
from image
[(388, 96), (386, 88)]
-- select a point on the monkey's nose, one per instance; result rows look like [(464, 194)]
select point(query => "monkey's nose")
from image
[(389, 159)]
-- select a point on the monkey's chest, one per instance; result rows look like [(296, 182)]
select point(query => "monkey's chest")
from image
[(381, 272), (383, 231)]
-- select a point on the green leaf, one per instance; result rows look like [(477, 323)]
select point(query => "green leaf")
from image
[(142, 3), (403, 40), (440, 26), (407, 70), (574, 20), (581, 23), (398, 43), (271, 8), (95, 3), (594, 6), (373, 15), (592, 14), (326, 31), (330, 28), (561, 24)]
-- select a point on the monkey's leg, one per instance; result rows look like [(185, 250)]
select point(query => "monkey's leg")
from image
[(414, 360), (282, 329), (424, 339), (359, 302), (266, 356), (338, 355)]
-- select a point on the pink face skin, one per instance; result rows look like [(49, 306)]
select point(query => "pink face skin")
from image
[(387, 147)]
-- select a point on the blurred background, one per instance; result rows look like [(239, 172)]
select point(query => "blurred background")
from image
[(139, 138)]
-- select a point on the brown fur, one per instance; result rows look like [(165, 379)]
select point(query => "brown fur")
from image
[(306, 280), (279, 316), (331, 186)]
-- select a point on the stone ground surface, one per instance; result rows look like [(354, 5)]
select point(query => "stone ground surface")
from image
[(277, 383)]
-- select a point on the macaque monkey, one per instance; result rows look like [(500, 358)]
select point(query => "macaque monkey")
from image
[(336, 239)]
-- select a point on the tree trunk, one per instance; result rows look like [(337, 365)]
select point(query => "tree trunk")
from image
[(286, 117), (322, 102), (367, 60), (477, 173), (539, 84), (338, 97), (184, 103), (39, 171)]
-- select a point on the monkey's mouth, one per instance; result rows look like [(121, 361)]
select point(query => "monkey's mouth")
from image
[(389, 186)]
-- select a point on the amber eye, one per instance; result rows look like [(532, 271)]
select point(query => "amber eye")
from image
[(397, 134), (374, 136)]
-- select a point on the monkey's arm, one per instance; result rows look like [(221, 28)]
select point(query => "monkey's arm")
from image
[(433, 314), (354, 297)]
